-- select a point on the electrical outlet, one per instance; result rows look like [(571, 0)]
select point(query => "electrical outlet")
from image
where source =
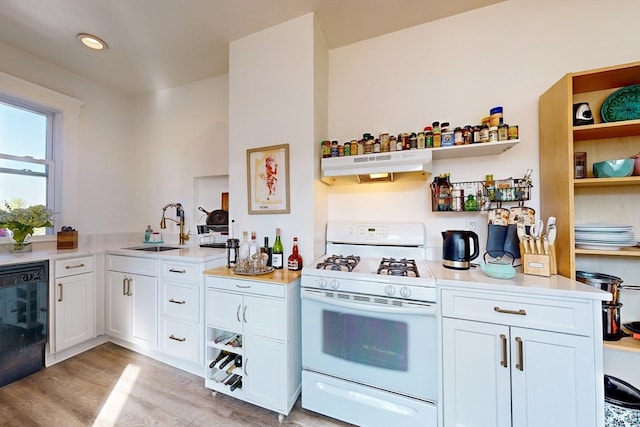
[(471, 225)]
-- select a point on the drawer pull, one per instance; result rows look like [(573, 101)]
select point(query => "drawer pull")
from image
[(520, 312), (171, 270), (503, 338), (177, 302), (60, 286), (520, 364), (173, 337), (243, 286), (68, 267)]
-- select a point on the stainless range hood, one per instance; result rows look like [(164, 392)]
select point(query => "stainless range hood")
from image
[(409, 165)]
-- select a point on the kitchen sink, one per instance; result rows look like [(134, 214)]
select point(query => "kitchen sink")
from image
[(153, 248)]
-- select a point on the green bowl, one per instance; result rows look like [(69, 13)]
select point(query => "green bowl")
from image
[(613, 168)]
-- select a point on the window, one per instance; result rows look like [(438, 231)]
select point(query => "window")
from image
[(31, 163)]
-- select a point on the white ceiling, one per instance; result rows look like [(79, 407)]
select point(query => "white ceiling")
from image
[(158, 44)]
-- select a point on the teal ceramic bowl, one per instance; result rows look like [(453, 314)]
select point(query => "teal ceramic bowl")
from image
[(613, 168)]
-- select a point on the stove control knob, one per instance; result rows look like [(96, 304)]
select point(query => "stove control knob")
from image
[(322, 283), (389, 290), (334, 284), (405, 292)]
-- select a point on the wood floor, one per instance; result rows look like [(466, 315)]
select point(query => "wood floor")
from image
[(112, 386)]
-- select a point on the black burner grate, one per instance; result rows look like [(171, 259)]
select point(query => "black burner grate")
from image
[(398, 267)]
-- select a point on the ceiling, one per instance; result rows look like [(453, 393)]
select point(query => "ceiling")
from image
[(159, 44)]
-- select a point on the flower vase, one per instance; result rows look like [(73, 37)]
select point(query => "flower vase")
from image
[(21, 246)]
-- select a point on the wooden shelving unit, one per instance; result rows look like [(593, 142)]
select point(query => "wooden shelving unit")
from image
[(589, 200)]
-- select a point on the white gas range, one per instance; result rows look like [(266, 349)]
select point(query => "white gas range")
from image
[(369, 349)]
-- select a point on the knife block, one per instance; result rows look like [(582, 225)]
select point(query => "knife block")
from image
[(539, 264), (67, 240)]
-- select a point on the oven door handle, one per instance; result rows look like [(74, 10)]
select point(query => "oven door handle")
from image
[(424, 309)]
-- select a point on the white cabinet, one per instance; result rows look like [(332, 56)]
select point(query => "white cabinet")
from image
[(515, 361), (261, 318), (74, 296), (180, 306), (132, 291)]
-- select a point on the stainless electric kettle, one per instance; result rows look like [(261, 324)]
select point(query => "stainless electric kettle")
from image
[(456, 249)]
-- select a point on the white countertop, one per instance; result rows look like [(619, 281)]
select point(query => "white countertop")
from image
[(48, 251), (556, 285)]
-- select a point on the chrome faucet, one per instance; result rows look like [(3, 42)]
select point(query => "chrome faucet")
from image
[(180, 213)]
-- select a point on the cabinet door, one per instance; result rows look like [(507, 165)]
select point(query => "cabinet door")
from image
[(553, 379), (75, 310), (118, 306), (265, 316), (476, 372), (224, 310), (144, 320), (265, 372)]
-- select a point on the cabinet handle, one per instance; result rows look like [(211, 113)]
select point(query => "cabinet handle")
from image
[(129, 293), (520, 364), (68, 267), (176, 301), (124, 286), (60, 286), (238, 313), (176, 338), (244, 314), (504, 363), (177, 271), (520, 312)]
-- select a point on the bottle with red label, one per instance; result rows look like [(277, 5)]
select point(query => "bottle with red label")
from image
[(295, 260)]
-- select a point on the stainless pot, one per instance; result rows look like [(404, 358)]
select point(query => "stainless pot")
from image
[(611, 284), (622, 403)]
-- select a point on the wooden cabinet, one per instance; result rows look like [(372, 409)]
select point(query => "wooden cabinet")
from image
[(262, 321), (132, 289), (590, 200), (510, 360), (75, 306)]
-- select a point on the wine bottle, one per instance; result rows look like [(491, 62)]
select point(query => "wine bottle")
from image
[(295, 260), (237, 384), (221, 355), (232, 380), (277, 257), (266, 250), (227, 361)]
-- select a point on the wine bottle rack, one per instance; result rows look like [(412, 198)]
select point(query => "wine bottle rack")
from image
[(224, 360)]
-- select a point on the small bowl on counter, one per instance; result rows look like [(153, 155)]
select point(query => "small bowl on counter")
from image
[(613, 168)]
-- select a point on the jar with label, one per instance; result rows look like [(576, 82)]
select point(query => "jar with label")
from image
[(495, 116), (503, 132), (447, 139), (471, 204), (493, 134), (392, 143), (399, 145), (376, 145), (368, 146), (326, 149), (457, 199), (421, 141), (361, 147), (437, 138), (476, 135), (413, 141), (384, 142), (354, 147), (513, 132), (457, 136), (347, 149), (334, 148), (467, 134), (484, 133), (340, 150)]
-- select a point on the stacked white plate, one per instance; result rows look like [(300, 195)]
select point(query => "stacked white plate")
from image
[(611, 237)]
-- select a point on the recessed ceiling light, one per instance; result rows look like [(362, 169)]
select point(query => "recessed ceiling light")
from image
[(92, 41)]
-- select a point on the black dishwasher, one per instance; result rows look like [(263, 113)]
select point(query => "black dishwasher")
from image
[(24, 311)]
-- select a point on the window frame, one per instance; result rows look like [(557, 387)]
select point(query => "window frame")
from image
[(62, 132)]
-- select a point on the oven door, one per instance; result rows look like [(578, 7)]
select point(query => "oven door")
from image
[(388, 344)]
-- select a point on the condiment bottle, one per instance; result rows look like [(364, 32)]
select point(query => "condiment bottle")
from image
[(294, 262)]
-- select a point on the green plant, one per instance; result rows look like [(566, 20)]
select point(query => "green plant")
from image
[(24, 221)]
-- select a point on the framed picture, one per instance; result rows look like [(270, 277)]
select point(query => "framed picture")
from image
[(268, 179)]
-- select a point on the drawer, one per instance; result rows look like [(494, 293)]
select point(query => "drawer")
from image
[(180, 340), (537, 313), (180, 301), (182, 271), (73, 266), (246, 286), (134, 265)]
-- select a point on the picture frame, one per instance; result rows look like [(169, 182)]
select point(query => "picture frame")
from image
[(268, 179)]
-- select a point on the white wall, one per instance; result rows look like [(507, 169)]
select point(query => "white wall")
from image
[(96, 195), (180, 136), (456, 69), (271, 102)]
